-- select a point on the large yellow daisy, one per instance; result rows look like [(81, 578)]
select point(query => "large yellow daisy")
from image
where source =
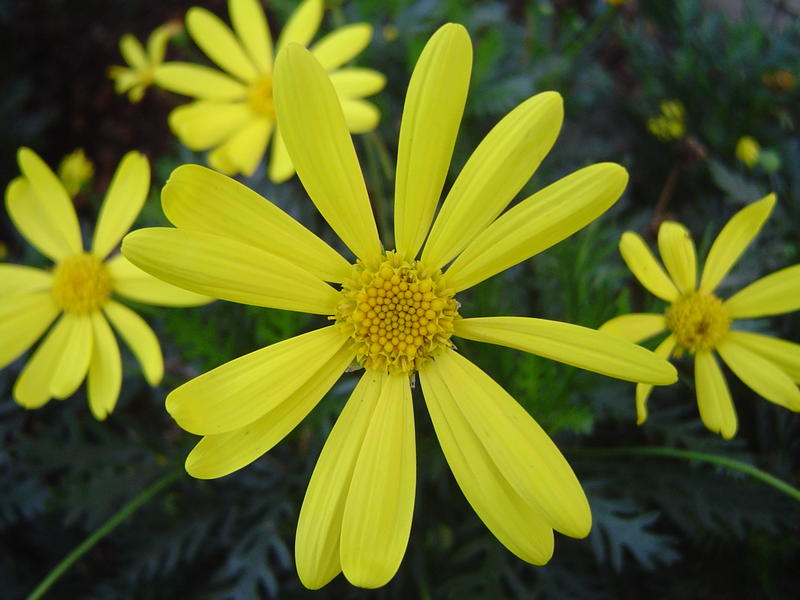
[(234, 112), (394, 315), (78, 290), (700, 323)]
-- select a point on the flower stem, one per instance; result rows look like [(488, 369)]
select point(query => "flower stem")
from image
[(107, 527)]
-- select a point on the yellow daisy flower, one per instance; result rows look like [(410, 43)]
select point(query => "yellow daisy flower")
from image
[(234, 112), (75, 170), (394, 315), (701, 323), (78, 290), (142, 64)]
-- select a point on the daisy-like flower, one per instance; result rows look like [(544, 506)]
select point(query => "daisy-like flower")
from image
[(234, 113), (701, 324), (142, 64), (671, 123), (394, 315), (78, 290), (75, 170)]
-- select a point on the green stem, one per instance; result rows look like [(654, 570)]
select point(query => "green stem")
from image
[(107, 527), (731, 463)]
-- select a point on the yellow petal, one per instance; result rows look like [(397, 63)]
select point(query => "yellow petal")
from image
[(713, 397), (663, 350), (761, 375), (198, 81), (280, 164), (520, 526), (139, 338), (774, 294), (250, 25), (223, 453), (513, 442), (75, 355), (105, 369), (360, 116), (124, 199), (319, 526), (23, 319), (538, 222), (132, 51), (571, 344), (734, 238), (19, 279), (380, 502), (201, 125), (323, 154), (133, 283), (33, 222), (202, 200), (222, 268), (677, 251), (635, 327), (246, 388), (342, 45), (503, 162), (783, 353), (218, 42), (302, 25), (242, 152), (645, 267), (355, 82), (32, 388), (157, 42), (431, 116)]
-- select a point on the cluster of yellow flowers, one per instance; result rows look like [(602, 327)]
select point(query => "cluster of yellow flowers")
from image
[(393, 312)]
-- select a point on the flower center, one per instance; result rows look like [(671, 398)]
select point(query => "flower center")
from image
[(398, 314), (699, 321), (81, 283), (259, 96)]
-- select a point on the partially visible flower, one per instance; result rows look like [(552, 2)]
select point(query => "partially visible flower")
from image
[(700, 323), (78, 290), (779, 80), (75, 171), (138, 75), (671, 123), (748, 150), (234, 112)]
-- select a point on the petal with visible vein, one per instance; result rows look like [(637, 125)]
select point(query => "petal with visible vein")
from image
[(645, 267), (105, 369), (342, 45), (130, 281), (355, 82), (280, 164), (677, 251), (203, 124), (138, 336), (360, 116), (19, 279), (23, 319), (32, 388), (242, 152), (302, 25), (218, 42), (783, 353), (643, 390), (774, 294), (198, 81), (713, 397), (635, 327), (250, 24), (75, 355)]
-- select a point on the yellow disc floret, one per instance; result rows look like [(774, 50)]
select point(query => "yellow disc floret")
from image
[(398, 313), (81, 283), (699, 321), (259, 97)]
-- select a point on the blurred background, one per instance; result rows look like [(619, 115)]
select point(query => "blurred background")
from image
[(668, 89)]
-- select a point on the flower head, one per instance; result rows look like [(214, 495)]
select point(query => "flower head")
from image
[(142, 64), (702, 325), (671, 123), (395, 314), (234, 112), (78, 291), (75, 171), (748, 150)]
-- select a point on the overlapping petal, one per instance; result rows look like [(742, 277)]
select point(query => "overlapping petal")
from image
[(356, 82), (242, 152), (643, 390), (250, 25), (139, 338), (280, 166), (635, 327), (774, 294), (302, 25), (360, 116), (76, 353), (783, 353), (23, 319), (133, 283), (105, 369), (677, 251), (19, 279), (713, 397), (218, 42), (645, 267), (342, 45), (198, 81)]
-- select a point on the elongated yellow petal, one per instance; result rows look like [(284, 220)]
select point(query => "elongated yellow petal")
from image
[(761, 375), (203, 124), (133, 283), (734, 238), (538, 222), (280, 164), (23, 319), (19, 279), (503, 162), (242, 152), (223, 453), (380, 502), (571, 344), (518, 525), (431, 115), (244, 389), (158, 40), (218, 42), (200, 199), (645, 267), (32, 388), (250, 24), (302, 25), (774, 294), (139, 338), (713, 397), (33, 221), (360, 116), (677, 251), (198, 81), (313, 128), (132, 51), (783, 353), (75, 355), (635, 327), (342, 45), (124, 199), (643, 390), (320, 524), (222, 268), (514, 442), (355, 82), (105, 369)]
